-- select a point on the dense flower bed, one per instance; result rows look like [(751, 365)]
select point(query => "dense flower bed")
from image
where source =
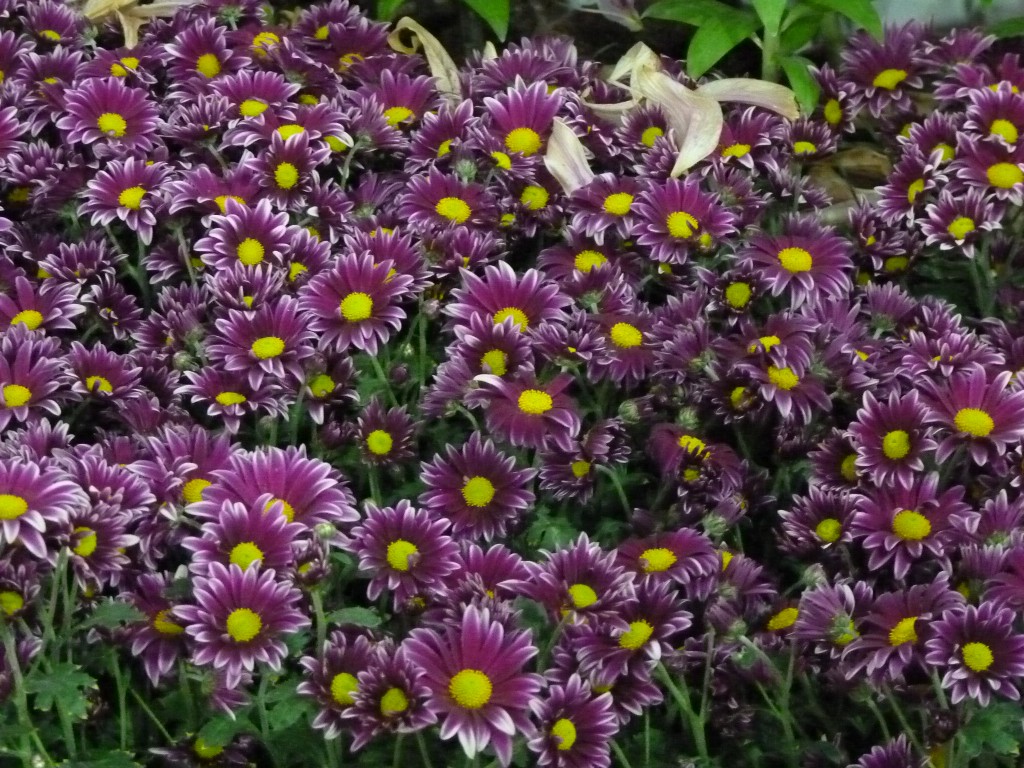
[(350, 401)]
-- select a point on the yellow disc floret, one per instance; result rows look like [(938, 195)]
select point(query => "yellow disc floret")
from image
[(681, 224), (657, 560), (379, 442), (267, 347), (356, 307), (626, 336), (911, 526), (977, 656), (535, 402), (565, 732), (343, 685), (12, 507), (904, 631), (974, 421), (478, 491), (245, 554), (131, 198), (243, 624), (112, 124), (795, 260), (399, 552), (526, 141), (454, 209), (470, 688), (636, 636), (896, 444)]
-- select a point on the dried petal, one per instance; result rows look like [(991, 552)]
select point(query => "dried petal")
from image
[(440, 63), (566, 158)]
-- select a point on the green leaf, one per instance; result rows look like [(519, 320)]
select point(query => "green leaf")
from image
[(860, 12), (220, 731), (494, 12), (65, 687), (800, 28), (802, 82), (712, 41), (770, 12), (695, 12), (115, 759), (110, 614), (1009, 28), (387, 9), (356, 615), (996, 729), (289, 710)]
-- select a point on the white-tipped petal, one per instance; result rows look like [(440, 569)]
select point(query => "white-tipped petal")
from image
[(759, 93), (566, 158), (441, 65)]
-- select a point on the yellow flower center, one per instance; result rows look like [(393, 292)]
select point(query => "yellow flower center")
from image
[(520, 320), (245, 554), (896, 263), (764, 342), (535, 402), (783, 378), (626, 336), (650, 135), (379, 442), (12, 507), (848, 468), (1005, 130), (230, 398), (961, 227), (534, 197), (526, 141), (784, 619), (321, 32), (263, 41), (268, 346), (470, 689), (691, 444), (795, 260), (399, 552), (86, 541), (192, 491), (393, 702), (50, 34), (501, 160), (286, 509), (478, 491), (206, 751), (681, 224), (804, 148), (396, 115), (904, 631), (343, 685), (286, 175), (356, 307), (580, 468), (15, 395), (11, 602), (98, 384), (618, 203), (582, 596), (896, 444), (112, 124), (131, 198), (737, 396), (321, 385), (565, 732), (30, 318), (829, 530), (978, 656), (495, 361), (587, 260), (738, 294), (1004, 175), (208, 65), (636, 636), (974, 422), (288, 130), (250, 251), (946, 150), (444, 148), (295, 269), (889, 78), (221, 201), (916, 187), (911, 526), (252, 107), (243, 625), (657, 560), (454, 209), (736, 150), (833, 112)]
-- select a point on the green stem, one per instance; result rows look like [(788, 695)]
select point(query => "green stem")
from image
[(321, 619), (880, 718), (620, 755), (681, 695), (647, 738), (374, 485), (769, 56), (423, 361), (890, 696), (396, 759), (542, 659), (186, 695), (183, 249), (612, 475), (261, 700), (149, 713), (384, 382), (21, 699), (940, 692), (424, 754), (295, 422), (122, 696)]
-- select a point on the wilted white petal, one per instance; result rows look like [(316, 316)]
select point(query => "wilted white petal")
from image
[(440, 63), (760, 93), (636, 58), (490, 52), (566, 158), (97, 9), (695, 118), (160, 8)]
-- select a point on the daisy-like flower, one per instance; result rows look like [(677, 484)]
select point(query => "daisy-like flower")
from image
[(893, 754), (605, 204), (979, 652), (230, 398), (474, 671), (676, 217), (817, 520), (886, 72), (102, 373), (528, 414), (97, 540), (253, 93), (996, 114), (478, 488), (34, 501), (897, 524), (159, 640), (239, 618), (201, 52), (891, 437), (980, 411), (49, 307), (245, 235), (353, 304), (106, 110), (575, 726), (522, 116), (683, 556), (287, 168), (807, 261), (128, 190), (272, 342), (436, 200), (244, 536), (405, 549), (992, 168), (385, 436), (909, 186), (528, 300), (960, 220), (31, 373), (332, 679)]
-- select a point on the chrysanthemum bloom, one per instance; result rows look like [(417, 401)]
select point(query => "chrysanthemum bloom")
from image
[(128, 190), (575, 726), (239, 618), (807, 261), (354, 304), (997, 115), (960, 220), (332, 679), (1008, 585), (816, 521), (677, 217), (244, 536), (32, 373), (158, 639), (992, 168), (102, 373), (792, 389), (97, 539), (683, 556), (385, 436), (629, 351), (884, 73), (896, 627), (522, 116), (527, 413), (253, 93), (899, 523), (287, 168), (35, 501), (493, 571), (808, 140), (405, 549), (979, 652), (605, 204), (104, 109), (478, 488), (201, 52), (48, 307), (578, 582), (830, 615), (979, 411), (891, 437), (390, 697), (475, 675), (305, 490), (436, 200), (529, 300), (272, 341), (896, 753), (245, 235), (52, 23), (909, 187), (229, 398)]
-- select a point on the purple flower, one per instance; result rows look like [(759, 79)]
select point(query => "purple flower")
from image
[(332, 679), (34, 501), (105, 109), (244, 536), (527, 413), (158, 640), (575, 726), (528, 300), (245, 235), (522, 116), (677, 217), (891, 437), (883, 74), (960, 220), (435, 200), (385, 436), (683, 556)]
